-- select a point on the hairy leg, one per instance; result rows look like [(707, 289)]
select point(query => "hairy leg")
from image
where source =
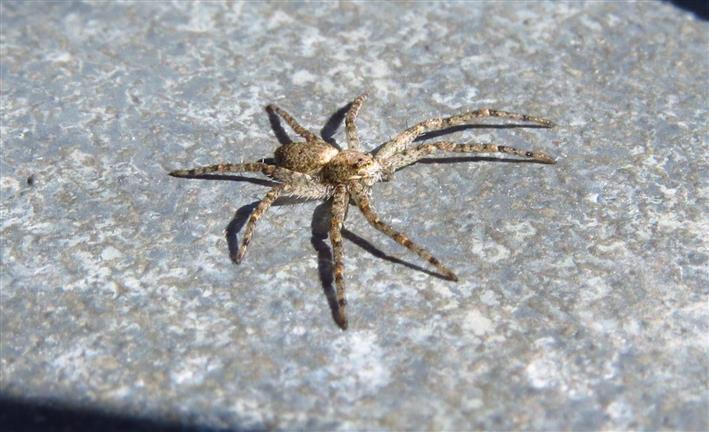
[(339, 207), (300, 185), (223, 168), (297, 128), (350, 127), (365, 206), (402, 140), (411, 155), (260, 209)]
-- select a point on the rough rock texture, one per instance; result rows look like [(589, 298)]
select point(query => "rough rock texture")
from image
[(583, 294)]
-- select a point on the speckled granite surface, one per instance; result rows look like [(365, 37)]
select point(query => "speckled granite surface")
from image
[(583, 300)]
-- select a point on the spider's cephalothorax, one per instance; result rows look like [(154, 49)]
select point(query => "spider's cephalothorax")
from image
[(317, 170), (351, 165)]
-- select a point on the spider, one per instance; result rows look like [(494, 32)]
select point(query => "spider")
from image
[(317, 170)]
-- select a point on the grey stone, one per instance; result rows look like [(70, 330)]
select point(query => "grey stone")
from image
[(583, 294)]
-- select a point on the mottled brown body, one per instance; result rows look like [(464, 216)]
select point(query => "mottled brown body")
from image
[(304, 157), (315, 169)]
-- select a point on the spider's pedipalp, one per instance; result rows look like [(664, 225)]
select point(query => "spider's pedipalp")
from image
[(293, 123), (402, 140), (340, 201), (260, 209), (350, 126), (411, 155), (365, 206)]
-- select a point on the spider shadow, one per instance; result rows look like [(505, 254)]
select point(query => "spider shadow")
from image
[(278, 130), (460, 128), (326, 133), (320, 227), (333, 123), (461, 159), (241, 216), (237, 178)]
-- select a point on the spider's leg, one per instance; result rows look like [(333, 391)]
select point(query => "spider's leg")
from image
[(339, 206), (226, 168), (299, 184), (402, 140), (276, 172), (365, 206), (293, 123), (350, 127), (260, 209), (411, 155)]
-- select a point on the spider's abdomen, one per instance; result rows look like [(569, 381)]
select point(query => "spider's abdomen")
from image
[(304, 157)]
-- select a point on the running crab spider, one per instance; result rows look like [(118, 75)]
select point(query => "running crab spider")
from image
[(315, 169)]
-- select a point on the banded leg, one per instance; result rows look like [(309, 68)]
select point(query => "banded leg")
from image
[(227, 168), (293, 123), (260, 209), (350, 127), (402, 140), (362, 200), (411, 155), (339, 206), (273, 171)]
